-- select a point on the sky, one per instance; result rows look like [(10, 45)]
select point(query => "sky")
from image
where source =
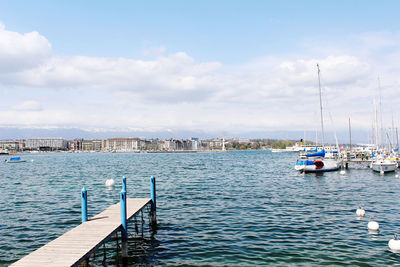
[(216, 67)]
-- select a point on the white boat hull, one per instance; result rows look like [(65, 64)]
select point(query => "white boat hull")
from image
[(328, 165), (384, 166), (15, 161), (277, 150)]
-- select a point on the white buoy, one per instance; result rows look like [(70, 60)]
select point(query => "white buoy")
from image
[(397, 176), (394, 244), (110, 182), (360, 212), (342, 172), (382, 172), (373, 225)]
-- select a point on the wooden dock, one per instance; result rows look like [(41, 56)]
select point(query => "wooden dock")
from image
[(75, 246)]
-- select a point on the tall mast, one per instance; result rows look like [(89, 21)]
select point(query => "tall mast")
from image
[(376, 125), (380, 110), (350, 132), (392, 132), (320, 106), (373, 129)]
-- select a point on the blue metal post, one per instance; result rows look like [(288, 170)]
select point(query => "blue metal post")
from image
[(153, 203), (123, 215), (124, 223), (124, 183), (153, 193), (84, 204)]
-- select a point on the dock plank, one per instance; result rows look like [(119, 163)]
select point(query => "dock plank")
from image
[(71, 248)]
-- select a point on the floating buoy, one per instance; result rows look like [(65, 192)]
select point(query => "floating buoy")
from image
[(110, 182), (382, 172), (360, 212), (342, 172), (397, 176), (394, 244), (373, 225)]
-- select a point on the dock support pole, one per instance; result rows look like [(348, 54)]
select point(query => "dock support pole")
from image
[(124, 183), (84, 205), (153, 200), (124, 230)]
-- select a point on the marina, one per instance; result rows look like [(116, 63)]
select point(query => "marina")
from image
[(271, 126)]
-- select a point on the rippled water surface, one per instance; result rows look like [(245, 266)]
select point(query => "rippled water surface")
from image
[(238, 208)]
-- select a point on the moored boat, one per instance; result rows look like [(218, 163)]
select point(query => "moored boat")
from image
[(323, 160), (383, 165), (278, 150), (317, 162), (15, 160)]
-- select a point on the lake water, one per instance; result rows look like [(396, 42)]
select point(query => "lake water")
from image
[(238, 208)]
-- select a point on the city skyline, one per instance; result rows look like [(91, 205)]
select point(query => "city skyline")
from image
[(211, 68)]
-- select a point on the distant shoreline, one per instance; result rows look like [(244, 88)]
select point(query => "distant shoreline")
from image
[(118, 152)]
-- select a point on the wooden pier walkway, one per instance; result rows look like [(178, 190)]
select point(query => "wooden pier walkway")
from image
[(73, 247)]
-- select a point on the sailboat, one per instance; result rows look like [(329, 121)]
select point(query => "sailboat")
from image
[(381, 163), (320, 161)]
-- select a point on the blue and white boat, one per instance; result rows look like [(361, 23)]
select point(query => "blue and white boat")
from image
[(15, 160), (319, 161)]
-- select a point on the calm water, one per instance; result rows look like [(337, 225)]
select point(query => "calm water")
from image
[(239, 208)]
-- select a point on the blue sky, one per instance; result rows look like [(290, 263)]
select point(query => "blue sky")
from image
[(218, 66), (226, 31)]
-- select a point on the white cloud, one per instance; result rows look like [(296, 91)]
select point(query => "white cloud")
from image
[(30, 105), (176, 77), (22, 51), (175, 91)]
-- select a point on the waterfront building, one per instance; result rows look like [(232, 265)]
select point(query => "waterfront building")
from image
[(11, 145), (46, 144), (179, 145), (215, 143), (150, 145), (195, 143), (169, 145), (122, 144), (75, 145), (92, 145)]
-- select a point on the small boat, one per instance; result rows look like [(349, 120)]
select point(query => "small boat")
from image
[(383, 165), (15, 160), (317, 162), (278, 150)]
